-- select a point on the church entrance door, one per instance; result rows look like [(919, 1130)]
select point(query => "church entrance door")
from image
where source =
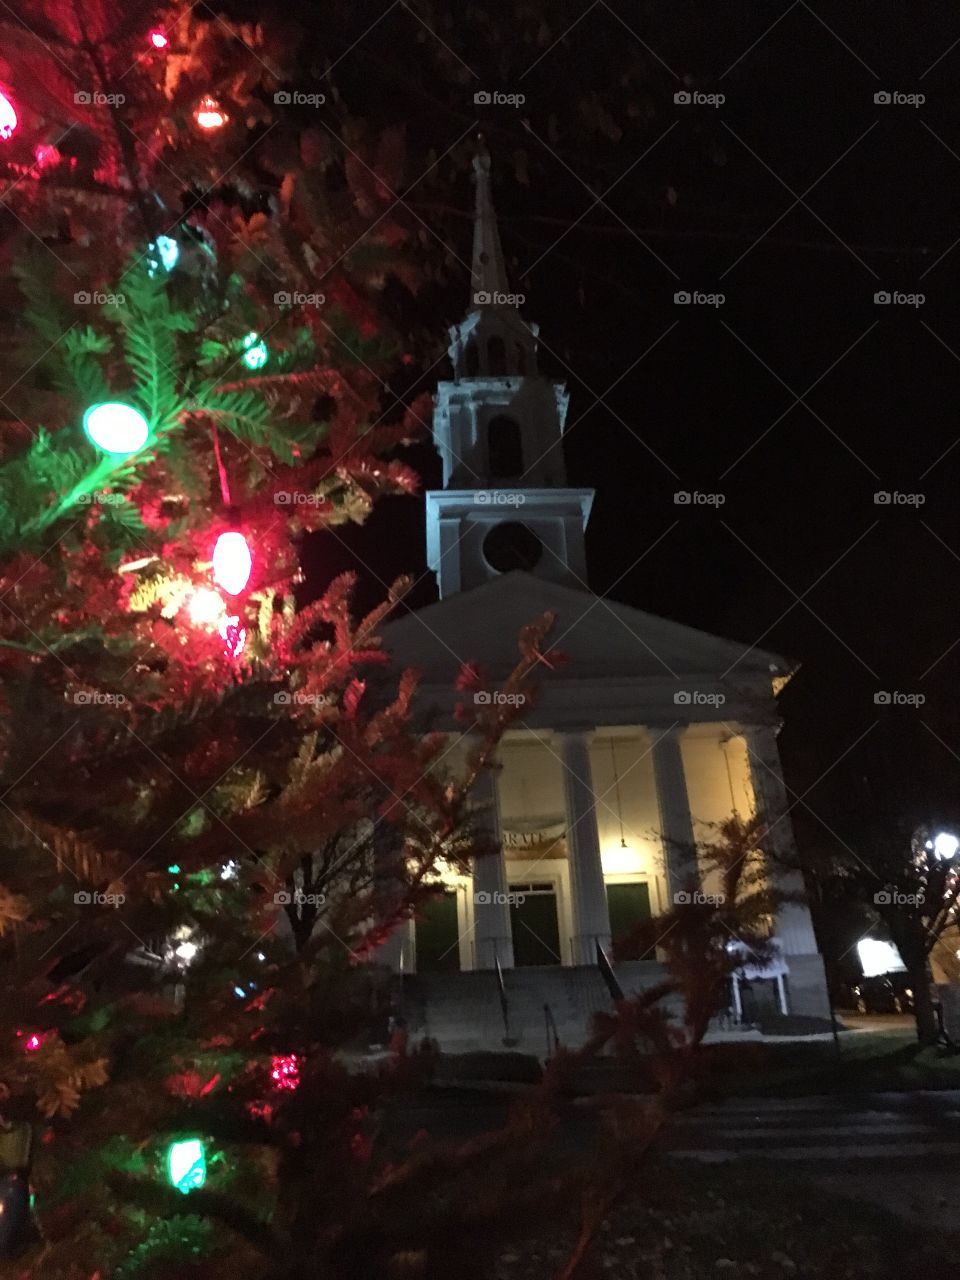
[(628, 905), (534, 924), (438, 934)]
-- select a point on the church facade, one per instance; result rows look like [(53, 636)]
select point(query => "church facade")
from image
[(650, 733)]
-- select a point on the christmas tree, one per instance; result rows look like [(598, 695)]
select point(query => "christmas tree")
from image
[(214, 803)]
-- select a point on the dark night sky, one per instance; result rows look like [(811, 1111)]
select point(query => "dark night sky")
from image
[(697, 411)]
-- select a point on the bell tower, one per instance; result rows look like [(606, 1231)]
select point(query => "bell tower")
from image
[(498, 426)]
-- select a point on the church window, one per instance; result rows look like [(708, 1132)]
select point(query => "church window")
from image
[(504, 448), (496, 357)]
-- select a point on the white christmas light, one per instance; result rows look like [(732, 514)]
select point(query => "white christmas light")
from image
[(945, 845), (187, 952)]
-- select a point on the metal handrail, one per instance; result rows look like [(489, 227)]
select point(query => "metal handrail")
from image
[(607, 974), (551, 1026), (508, 1040), (401, 1002)]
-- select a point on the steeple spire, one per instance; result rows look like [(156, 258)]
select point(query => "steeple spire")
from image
[(489, 274)]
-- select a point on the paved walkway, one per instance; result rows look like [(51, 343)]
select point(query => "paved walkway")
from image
[(888, 1129), (896, 1150)]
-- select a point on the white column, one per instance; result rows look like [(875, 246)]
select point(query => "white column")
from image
[(397, 953), (794, 925), (591, 916), (491, 912), (676, 824)]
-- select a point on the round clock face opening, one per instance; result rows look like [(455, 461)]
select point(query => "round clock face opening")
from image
[(512, 546)]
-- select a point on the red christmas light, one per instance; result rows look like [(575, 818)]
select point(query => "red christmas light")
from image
[(232, 562), (34, 1041), (158, 39), (233, 635), (285, 1071), (8, 116), (46, 155)]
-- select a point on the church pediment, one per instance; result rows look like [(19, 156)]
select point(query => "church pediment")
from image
[(601, 638)]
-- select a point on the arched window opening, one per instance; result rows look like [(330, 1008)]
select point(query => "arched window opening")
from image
[(504, 448)]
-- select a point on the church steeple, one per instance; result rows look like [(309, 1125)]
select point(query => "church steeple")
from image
[(488, 279), (492, 340), (498, 425)]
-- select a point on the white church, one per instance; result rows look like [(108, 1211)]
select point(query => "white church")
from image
[(650, 732)]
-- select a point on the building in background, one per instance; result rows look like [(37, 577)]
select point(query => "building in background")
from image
[(650, 732)]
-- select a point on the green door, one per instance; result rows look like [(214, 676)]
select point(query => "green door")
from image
[(628, 904), (438, 935), (533, 923)]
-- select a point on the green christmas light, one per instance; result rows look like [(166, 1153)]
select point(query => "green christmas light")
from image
[(166, 250), (255, 352), (187, 1165), (115, 427)]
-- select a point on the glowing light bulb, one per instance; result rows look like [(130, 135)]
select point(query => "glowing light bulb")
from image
[(209, 114), (46, 155), (233, 635), (285, 1071), (945, 845), (167, 250), (187, 1165), (255, 353), (206, 607), (187, 952), (232, 562), (158, 39), (8, 116), (115, 427)]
